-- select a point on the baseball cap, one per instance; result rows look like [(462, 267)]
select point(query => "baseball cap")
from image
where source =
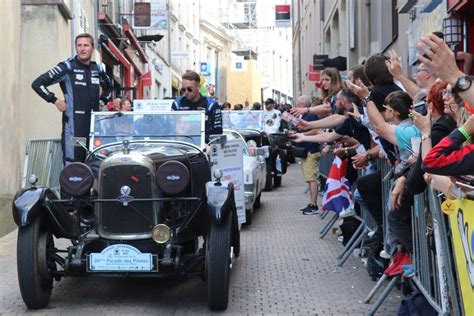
[(269, 101)]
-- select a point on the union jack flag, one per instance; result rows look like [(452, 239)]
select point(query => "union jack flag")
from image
[(337, 191)]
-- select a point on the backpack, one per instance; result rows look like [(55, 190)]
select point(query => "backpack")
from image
[(376, 265), (348, 228), (415, 304)]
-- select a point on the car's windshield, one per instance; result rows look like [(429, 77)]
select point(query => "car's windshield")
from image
[(185, 126), (242, 120)]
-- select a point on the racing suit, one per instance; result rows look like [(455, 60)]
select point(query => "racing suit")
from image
[(80, 85), (209, 106)]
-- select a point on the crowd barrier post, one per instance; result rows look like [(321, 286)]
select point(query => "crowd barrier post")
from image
[(366, 225)]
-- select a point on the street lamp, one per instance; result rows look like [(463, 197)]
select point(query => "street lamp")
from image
[(452, 29)]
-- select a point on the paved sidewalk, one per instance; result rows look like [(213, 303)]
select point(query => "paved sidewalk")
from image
[(284, 268)]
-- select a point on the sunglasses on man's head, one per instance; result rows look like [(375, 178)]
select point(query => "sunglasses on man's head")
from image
[(189, 89)]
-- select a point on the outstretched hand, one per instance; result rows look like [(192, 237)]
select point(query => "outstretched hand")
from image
[(394, 64), (296, 137), (358, 88), (299, 111), (440, 59)]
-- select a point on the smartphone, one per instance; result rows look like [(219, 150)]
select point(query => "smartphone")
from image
[(288, 117), (464, 186)]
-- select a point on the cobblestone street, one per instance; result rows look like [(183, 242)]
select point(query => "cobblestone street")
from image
[(284, 268)]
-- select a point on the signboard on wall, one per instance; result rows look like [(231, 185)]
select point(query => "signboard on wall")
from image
[(283, 15), (150, 14), (318, 61)]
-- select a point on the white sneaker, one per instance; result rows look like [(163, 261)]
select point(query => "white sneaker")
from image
[(340, 238), (347, 212), (385, 254), (371, 233)]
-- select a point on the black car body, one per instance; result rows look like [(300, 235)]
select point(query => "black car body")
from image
[(250, 125), (142, 205)]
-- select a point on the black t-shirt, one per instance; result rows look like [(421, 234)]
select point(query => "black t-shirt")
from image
[(310, 146), (379, 93), (351, 127)]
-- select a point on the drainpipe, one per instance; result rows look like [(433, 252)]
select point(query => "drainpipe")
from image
[(300, 87), (74, 27), (367, 29)]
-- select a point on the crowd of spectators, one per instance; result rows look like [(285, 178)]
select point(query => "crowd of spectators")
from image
[(420, 124)]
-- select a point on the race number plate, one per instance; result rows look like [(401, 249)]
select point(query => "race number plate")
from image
[(120, 258)]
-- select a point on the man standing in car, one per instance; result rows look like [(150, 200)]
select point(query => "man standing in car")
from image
[(80, 80), (192, 100), (271, 117)]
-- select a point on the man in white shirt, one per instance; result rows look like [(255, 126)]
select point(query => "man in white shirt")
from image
[(271, 117)]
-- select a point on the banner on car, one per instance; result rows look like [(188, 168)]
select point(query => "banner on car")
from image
[(229, 159)]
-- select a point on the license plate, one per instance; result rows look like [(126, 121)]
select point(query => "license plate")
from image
[(120, 258)]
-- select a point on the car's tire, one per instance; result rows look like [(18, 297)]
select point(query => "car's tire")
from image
[(258, 201), (248, 216), (268, 182), (290, 156), (277, 181), (218, 265), (34, 267)]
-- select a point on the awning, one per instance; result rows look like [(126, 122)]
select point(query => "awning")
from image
[(124, 61), (134, 41), (150, 38)]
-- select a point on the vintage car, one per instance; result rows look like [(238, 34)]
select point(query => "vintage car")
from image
[(254, 172), (142, 205), (250, 125)]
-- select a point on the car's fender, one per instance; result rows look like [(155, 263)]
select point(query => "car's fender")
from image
[(30, 203), (220, 199)]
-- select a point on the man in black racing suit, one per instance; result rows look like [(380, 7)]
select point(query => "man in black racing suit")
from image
[(192, 100), (80, 80)]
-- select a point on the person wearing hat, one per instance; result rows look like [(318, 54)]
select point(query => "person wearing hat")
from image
[(271, 117)]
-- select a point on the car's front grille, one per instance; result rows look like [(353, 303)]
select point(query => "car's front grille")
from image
[(136, 218)]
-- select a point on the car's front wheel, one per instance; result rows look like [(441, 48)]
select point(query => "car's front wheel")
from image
[(35, 264), (218, 265), (277, 181), (258, 202), (248, 216)]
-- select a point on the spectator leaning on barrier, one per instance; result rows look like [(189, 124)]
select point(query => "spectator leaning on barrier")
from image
[(448, 157), (399, 132), (310, 164), (443, 123)]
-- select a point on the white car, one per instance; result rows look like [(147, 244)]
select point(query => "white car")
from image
[(254, 172)]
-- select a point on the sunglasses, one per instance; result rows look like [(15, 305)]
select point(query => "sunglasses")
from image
[(189, 89)]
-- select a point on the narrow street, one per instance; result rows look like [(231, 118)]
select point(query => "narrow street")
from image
[(284, 268)]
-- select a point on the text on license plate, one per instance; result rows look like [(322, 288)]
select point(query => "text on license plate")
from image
[(120, 257)]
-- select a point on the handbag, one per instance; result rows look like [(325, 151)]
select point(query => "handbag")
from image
[(300, 152)]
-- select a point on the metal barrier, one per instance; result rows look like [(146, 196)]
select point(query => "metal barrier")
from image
[(431, 255), (367, 224), (43, 158)]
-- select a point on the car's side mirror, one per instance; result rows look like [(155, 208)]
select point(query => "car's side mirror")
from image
[(79, 142), (263, 151)]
